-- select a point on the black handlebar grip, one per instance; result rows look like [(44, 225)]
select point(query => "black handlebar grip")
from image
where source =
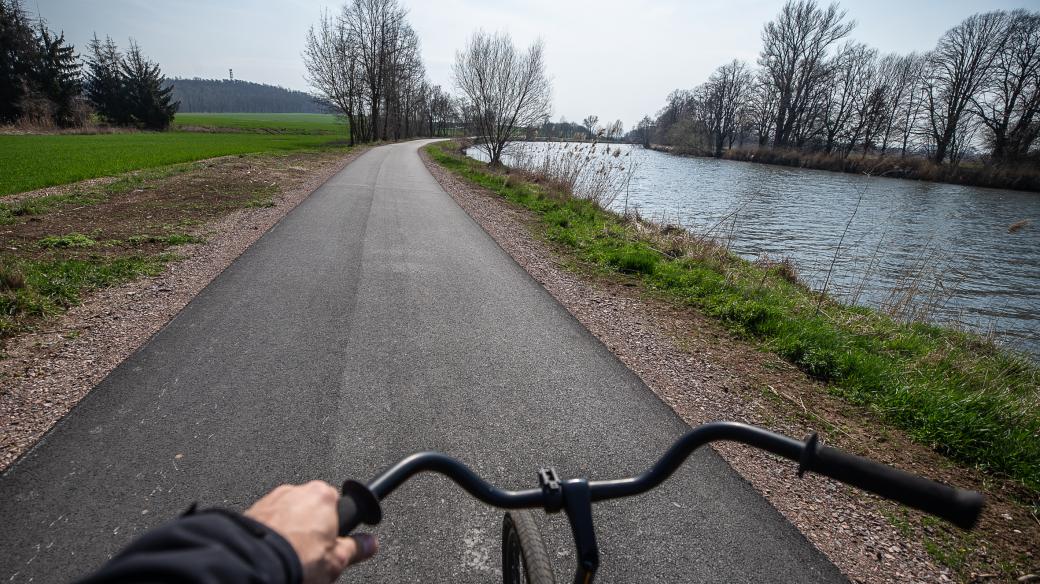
[(357, 505), (960, 507)]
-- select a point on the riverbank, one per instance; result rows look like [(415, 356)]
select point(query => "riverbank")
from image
[(1023, 177), (862, 376)]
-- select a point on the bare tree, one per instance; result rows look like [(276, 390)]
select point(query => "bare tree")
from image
[(868, 104), (644, 131), (678, 123), (330, 69), (723, 96), (591, 124), (847, 80), (505, 89), (760, 115), (900, 75), (1009, 105), (793, 61), (366, 62), (443, 112), (956, 71), (615, 130), (873, 111)]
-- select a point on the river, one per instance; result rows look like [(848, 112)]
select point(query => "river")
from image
[(939, 252)]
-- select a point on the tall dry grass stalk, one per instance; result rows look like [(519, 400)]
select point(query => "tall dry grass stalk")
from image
[(588, 170), (1018, 226), (922, 288)]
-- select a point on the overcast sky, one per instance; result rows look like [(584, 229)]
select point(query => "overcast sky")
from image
[(613, 58)]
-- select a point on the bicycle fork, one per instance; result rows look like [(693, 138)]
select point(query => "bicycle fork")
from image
[(575, 499)]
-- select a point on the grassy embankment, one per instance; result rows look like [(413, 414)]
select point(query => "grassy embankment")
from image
[(1023, 177), (56, 247), (949, 390)]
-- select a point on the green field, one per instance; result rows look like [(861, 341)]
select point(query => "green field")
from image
[(284, 123), (29, 162)]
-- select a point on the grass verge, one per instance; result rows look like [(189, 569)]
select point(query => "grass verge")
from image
[(949, 390), (41, 288), (57, 247)]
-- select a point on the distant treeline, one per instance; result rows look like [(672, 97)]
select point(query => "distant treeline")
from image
[(563, 130), (816, 97), (227, 96)]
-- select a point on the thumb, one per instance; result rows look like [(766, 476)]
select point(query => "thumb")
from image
[(356, 548)]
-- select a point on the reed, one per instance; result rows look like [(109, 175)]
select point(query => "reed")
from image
[(1024, 176), (587, 170)]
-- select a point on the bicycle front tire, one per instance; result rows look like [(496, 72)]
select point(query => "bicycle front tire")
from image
[(525, 559)]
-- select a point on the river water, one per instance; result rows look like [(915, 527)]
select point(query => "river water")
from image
[(939, 252)]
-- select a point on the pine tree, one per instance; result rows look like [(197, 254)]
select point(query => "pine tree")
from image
[(57, 76), (147, 93), (17, 55), (105, 83)]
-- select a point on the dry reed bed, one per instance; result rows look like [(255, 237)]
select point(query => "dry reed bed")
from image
[(1023, 177)]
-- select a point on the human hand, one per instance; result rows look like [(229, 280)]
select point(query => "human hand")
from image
[(306, 516)]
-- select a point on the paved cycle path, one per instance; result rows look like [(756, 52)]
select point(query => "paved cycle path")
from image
[(375, 320)]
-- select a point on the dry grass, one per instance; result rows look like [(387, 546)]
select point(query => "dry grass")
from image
[(1024, 176), (1018, 226), (589, 170)]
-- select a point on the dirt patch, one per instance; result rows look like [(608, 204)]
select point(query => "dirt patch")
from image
[(117, 213), (47, 371), (705, 373)]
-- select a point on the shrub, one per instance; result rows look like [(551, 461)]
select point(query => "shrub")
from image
[(632, 259), (65, 241)]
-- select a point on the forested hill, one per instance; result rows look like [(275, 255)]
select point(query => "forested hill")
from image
[(224, 95)]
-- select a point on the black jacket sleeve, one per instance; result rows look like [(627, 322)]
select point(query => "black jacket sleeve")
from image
[(206, 547)]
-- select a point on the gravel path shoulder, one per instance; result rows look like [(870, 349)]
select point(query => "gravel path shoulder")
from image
[(705, 374), (46, 372)]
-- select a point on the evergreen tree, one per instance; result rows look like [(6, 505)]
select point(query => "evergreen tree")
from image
[(105, 82), (57, 77), (147, 93), (17, 55)]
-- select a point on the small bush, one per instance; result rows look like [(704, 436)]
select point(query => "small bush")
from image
[(633, 260), (66, 241)]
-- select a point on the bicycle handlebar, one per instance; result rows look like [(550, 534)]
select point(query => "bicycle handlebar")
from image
[(958, 506), (360, 503)]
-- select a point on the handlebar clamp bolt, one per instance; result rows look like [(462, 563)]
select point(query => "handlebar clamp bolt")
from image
[(552, 494)]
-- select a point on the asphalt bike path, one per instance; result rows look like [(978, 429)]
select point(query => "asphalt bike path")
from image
[(375, 320)]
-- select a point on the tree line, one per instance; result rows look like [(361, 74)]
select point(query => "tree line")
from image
[(976, 93), (44, 83), (365, 62), (233, 95)]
